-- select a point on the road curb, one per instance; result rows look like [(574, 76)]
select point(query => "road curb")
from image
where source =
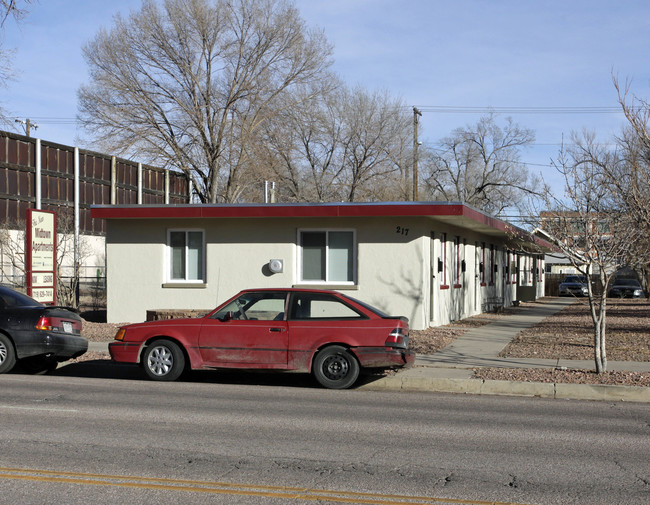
[(510, 388)]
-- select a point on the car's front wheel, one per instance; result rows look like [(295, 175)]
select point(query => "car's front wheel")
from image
[(163, 360), (7, 354), (335, 367)]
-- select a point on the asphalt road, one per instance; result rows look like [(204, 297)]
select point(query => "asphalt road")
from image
[(75, 438)]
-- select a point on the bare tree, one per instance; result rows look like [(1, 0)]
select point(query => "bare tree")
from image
[(188, 84), (591, 226), (300, 147), (12, 8), (8, 9), (480, 165), (629, 175), (5, 77), (375, 129), (343, 145)]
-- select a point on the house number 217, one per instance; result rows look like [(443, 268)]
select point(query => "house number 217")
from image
[(401, 230)]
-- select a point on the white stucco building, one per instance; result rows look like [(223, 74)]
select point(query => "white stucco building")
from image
[(432, 262)]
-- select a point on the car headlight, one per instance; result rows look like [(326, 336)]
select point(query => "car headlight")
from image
[(638, 292)]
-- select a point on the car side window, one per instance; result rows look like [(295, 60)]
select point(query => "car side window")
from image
[(310, 306), (254, 307), (7, 301)]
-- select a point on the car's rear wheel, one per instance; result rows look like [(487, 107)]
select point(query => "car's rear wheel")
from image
[(163, 360), (335, 367), (7, 354)]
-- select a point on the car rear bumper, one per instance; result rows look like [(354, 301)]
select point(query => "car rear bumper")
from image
[(125, 352), (384, 357), (59, 346)]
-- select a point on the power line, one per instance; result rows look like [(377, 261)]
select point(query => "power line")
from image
[(455, 109), (54, 120), (519, 110)]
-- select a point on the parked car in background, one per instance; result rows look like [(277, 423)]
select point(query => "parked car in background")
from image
[(574, 285), (623, 287), (36, 335), (326, 333)]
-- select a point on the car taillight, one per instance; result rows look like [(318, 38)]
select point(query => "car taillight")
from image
[(397, 338), (45, 324), (120, 334)]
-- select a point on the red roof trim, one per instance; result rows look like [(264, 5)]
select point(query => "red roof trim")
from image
[(322, 210), (275, 210)]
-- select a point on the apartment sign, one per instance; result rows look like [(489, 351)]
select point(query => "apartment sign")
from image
[(40, 253)]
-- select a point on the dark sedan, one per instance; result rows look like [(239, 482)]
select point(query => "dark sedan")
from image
[(574, 285), (626, 288), (36, 335), (326, 333)]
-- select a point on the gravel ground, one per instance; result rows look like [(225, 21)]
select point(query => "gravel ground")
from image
[(565, 335)]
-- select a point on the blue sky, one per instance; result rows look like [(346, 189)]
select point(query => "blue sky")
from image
[(430, 53)]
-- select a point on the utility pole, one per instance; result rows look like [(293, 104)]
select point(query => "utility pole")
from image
[(416, 144), (27, 125)]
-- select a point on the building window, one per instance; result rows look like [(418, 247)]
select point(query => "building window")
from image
[(492, 264), (511, 267), (186, 255), (527, 279), (327, 256), (457, 263), (483, 264), (443, 260)]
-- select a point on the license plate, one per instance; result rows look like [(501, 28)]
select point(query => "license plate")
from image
[(67, 326)]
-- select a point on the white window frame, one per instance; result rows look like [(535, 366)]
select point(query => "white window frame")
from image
[(326, 282), (168, 257)]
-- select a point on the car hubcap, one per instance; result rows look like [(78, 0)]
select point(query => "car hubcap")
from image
[(336, 367), (3, 353), (160, 361)]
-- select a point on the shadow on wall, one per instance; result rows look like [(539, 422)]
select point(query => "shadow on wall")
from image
[(405, 287)]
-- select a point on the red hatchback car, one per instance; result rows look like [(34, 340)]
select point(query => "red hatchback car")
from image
[(326, 333)]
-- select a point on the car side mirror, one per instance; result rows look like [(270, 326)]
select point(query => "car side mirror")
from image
[(227, 317)]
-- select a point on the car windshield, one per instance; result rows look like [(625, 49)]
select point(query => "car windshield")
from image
[(574, 278), (627, 282), (11, 298)]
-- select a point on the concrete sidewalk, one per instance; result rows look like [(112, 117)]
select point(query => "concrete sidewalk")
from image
[(451, 369)]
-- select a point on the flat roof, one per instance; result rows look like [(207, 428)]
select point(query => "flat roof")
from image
[(454, 213)]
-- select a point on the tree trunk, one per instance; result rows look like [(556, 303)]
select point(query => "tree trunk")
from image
[(598, 315)]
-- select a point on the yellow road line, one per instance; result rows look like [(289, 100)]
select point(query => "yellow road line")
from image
[(225, 488)]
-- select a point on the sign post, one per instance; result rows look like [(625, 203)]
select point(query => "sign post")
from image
[(40, 255)]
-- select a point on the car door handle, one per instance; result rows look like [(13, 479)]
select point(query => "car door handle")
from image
[(276, 329)]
